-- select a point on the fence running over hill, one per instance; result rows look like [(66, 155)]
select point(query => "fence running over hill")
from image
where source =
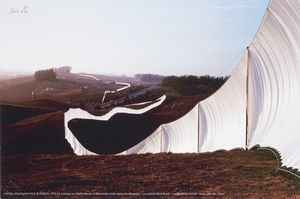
[(258, 105)]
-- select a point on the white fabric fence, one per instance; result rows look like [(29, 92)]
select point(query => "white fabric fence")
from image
[(259, 103)]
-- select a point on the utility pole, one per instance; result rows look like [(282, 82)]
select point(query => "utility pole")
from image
[(247, 99), (198, 133)]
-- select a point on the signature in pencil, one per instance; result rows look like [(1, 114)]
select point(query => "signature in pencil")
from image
[(23, 10)]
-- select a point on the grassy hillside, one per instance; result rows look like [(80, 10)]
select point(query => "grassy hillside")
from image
[(36, 156)]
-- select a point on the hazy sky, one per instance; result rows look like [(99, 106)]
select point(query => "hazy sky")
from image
[(127, 36)]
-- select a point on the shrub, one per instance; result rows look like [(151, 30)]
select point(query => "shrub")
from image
[(191, 85), (45, 75)]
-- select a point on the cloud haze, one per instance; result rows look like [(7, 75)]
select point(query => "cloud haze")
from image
[(127, 36)]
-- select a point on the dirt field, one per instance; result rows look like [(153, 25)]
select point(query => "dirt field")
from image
[(235, 174)]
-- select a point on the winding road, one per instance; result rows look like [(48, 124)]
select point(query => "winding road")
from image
[(126, 85)]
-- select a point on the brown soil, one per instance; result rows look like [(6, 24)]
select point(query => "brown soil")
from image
[(36, 135), (10, 113), (235, 174)]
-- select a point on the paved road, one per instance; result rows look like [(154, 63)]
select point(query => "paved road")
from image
[(126, 85)]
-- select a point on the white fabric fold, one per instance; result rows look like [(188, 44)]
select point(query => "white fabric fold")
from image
[(258, 104)]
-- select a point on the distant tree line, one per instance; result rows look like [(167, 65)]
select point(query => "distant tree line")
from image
[(192, 85), (63, 70), (151, 78), (45, 75)]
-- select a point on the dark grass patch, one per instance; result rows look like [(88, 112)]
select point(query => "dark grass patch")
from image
[(235, 173)]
